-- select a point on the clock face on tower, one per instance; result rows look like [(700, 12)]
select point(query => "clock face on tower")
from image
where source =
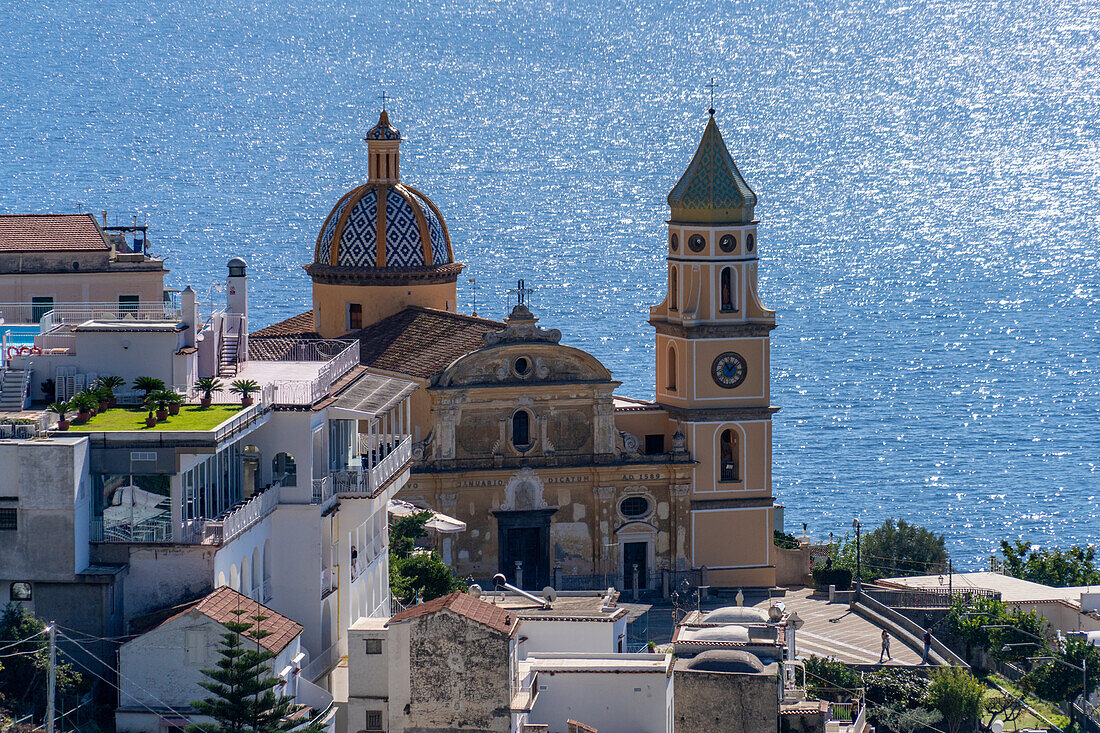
[(729, 369)]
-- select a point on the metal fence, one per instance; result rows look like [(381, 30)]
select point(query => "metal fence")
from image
[(928, 597)]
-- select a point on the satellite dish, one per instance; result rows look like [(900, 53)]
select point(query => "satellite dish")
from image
[(474, 590), (549, 594)]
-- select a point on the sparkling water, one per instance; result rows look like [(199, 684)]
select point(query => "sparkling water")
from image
[(928, 177)]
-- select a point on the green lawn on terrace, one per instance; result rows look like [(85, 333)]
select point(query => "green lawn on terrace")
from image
[(191, 417)]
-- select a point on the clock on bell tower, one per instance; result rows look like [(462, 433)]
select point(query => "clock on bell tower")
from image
[(713, 365)]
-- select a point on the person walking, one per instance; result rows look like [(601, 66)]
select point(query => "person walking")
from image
[(927, 645), (885, 647)]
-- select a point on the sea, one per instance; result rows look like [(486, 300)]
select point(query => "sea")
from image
[(928, 176)]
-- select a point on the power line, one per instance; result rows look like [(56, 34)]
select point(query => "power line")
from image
[(124, 677)]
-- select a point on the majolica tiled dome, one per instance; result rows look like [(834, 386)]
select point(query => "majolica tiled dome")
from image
[(384, 223)]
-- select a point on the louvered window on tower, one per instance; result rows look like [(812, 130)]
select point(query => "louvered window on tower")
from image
[(9, 518)]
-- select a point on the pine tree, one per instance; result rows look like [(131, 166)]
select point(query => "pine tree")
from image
[(244, 699)]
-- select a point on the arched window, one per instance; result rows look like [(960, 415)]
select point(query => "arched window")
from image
[(727, 295), (284, 470), (673, 291), (730, 452), (521, 429), (671, 369)]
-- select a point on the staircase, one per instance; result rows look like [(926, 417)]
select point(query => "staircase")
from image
[(12, 390), (227, 361)]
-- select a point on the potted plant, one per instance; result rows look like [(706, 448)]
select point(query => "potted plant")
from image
[(110, 384), (61, 409), (150, 404), (174, 400), (208, 386), (84, 404), (161, 398), (103, 397), (245, 388), (148, 385)]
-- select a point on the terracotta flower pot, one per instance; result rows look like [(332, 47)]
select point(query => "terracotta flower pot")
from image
[(83, 416), (162, 415), (62, 424), (246, 401), (206, 402), (150, 422), (112, 403), (103, 406), (173, 409)]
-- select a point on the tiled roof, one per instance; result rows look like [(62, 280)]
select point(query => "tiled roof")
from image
[(50, 232), (300, 326), (418, 342), (464, 605), (221, 606), (421, 342)]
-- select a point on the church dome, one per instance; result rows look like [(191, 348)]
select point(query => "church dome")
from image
[(383, 223)]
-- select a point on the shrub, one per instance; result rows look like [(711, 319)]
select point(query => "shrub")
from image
[(825, 576)]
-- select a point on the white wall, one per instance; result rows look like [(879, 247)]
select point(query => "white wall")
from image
[(627, 702), (582, 637)]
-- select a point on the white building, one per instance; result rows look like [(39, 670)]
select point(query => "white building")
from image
[(160, 669)]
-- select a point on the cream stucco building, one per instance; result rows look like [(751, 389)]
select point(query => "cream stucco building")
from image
[(521, 436)]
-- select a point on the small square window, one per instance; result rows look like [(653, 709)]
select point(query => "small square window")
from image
[(21, 592), (374, 646), (9, 518), (374, 720), (654, 444)]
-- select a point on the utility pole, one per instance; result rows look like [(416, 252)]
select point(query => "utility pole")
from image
[(51, 681)]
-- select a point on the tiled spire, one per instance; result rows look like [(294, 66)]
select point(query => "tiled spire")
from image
[(712, 190)]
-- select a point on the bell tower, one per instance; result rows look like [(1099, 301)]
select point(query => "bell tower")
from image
[(713, 365)]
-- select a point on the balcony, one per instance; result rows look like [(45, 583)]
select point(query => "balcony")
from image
[(365, 482)]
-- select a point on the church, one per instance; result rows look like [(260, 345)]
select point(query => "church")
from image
[(521, 436)]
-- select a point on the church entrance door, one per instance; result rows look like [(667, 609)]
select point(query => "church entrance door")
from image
[(525, 539), (635, 553)]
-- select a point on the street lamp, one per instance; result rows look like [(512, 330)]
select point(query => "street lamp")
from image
[(1010, 647), (859, 570), (1017, 629)]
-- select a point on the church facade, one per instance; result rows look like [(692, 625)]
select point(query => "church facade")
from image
[(521, 436)]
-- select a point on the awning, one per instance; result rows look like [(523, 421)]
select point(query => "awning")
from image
[(438, 522)]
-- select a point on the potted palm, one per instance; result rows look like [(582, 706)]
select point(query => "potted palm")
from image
[(84, 403), (245, 388), (208, 386), (150, 404), (161, 398), (103, 396), (110, 384), (61, 409), (148, 385), (174, 400)]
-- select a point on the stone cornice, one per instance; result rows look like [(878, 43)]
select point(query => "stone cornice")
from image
[(731, 330), (719, 414), (335, 275), (763, 501)]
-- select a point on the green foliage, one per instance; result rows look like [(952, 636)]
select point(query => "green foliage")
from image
[(243, 688), (971, 622), (49, 388), (898, 549), (826, 677), (208, 386), (61, 409), (148, 385), (826, 576), (417, 576), (903, 686), (84, 402), (164, 397), (244, 387), (956, 695), (103, 394), (110, 383), (904, 719), (1060, 682), (23, 676), (1054, 567), (785, 541)]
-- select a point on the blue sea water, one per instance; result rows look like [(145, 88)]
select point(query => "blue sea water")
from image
[(928, 175)]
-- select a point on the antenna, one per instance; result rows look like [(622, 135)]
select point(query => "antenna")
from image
[(711, 87), (500, 581)]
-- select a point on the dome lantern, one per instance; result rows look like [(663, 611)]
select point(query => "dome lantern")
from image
[(384, 150)]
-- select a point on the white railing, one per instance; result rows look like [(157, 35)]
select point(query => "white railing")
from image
[(263, 404), (367, 482), (322, 490), (267, 589), (330, 579), (325, 662), (306, 392), (251, 512), (201, 532), (55, 340), (81, 312)]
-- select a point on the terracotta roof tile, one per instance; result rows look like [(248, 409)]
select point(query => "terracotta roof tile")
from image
[(221, 606), (421, 342), (417, 342), (464, 605), (50, 232)]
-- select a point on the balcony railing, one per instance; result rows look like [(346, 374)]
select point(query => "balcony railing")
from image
[(339, 357), (81, 312), (330, 579), (362, 482), (251, 512)]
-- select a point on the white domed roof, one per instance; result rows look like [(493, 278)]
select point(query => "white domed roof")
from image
[(730, 633), (737, 615)]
